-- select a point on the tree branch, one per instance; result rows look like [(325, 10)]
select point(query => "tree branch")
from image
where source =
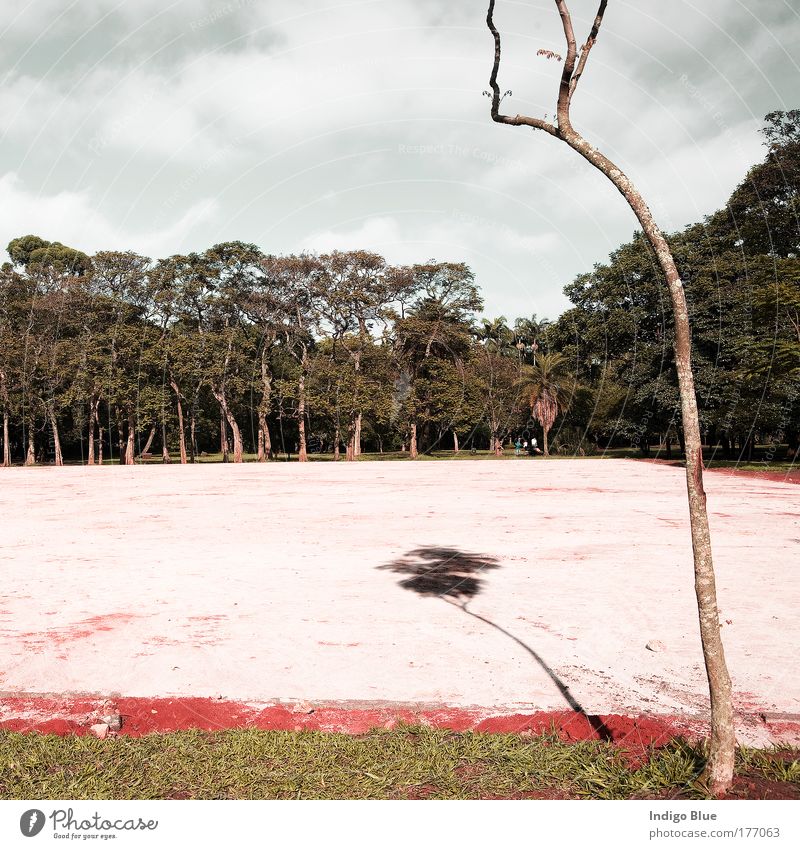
[(517, 120), (569, 66), (598, 20)]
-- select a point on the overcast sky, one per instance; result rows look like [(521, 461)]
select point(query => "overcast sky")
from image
[(164, 127)]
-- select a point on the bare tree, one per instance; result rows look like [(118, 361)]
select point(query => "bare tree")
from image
[(719, 769)]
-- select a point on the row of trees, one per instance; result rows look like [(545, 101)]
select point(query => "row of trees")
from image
[(233, 350)]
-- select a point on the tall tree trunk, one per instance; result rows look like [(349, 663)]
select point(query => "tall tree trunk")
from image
[(165, 458), (357, 437), (413, 452), (150, 437), (5, 399), (59, 459), (100, 445), (455, 442), (30, 457), (129, 450), (302, 453), (228, 416), (120, 436), (719, 772), (223, 439), (93, 402), (6, 444), (336, 438), (264, 439), (261, 454), (545, 448), (192, 436), (181, 434)]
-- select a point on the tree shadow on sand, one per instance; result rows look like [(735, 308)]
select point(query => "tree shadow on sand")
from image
[(456, 577)]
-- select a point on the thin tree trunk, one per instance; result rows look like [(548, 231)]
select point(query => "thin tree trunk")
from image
[(455, 443), (92, 426), (302, 454), (6, 445), (59, 459), (223, 438), (120, 436), (130, 448), (261, 455), (181, 434), (234, 425), (357, 437), (336, 438), (413, 453), (30, 458), (264, 439), (165, 458), (723, 738), (150, 437), (192, 438), (101, 431), (719, 770)]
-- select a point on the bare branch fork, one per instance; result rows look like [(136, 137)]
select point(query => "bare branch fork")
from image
[(719, 770)]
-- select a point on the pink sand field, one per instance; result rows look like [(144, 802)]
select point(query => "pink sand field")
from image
[(262, 584)]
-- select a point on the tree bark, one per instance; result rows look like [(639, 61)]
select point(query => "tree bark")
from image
[(719, 770), (120, 436), (223, 438), (5, 398), (302, 453), (357, 437), (165, 458), (723, 739), (455, 443), (59, 459), (192, 438), (234, 426), (93, 402), (413, 453), (150, 437), (129, 450), (181, 434), (100, 432), (30, 457), (6, 445)]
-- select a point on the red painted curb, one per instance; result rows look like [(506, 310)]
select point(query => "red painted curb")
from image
[(75, 715)]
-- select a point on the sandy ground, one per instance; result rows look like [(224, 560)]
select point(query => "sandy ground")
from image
[(263, 583)]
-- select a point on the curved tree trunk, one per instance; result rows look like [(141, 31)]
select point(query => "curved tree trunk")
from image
[(59, 458), (150, 437), (723, 739), (228, 416), (719, 771), (181, 434)]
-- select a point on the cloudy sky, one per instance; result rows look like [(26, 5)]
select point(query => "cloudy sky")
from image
[(164, 127)]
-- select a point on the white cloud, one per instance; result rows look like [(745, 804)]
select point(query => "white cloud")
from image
[(73, 218)]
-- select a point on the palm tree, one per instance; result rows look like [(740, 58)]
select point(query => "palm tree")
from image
[(545, 384)]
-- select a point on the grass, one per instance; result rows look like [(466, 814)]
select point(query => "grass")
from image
[(406, 763)]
